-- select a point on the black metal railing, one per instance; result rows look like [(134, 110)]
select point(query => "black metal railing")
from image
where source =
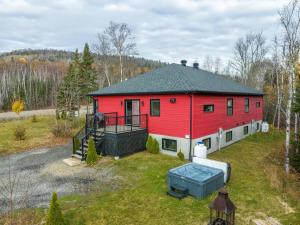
[(77, 139), (117, 124), (111, 123), (89, 128)]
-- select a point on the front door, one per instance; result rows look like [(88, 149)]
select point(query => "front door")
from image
[(132, 111)]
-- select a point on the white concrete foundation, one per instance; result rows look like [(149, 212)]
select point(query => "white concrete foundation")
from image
[(183, 144)]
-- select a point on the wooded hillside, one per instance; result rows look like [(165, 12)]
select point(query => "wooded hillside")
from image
[(35, 75)]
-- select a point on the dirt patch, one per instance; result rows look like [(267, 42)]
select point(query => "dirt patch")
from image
[(39, 173)]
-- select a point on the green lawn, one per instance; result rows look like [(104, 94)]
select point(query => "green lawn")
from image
[(143, 200), (38, 134), (138, 195)]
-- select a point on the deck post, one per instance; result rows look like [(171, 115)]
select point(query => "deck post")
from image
[(131, 122), (147, 121), (116, 124)]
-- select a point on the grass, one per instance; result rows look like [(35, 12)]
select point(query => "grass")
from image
[(256, 187), (143, 198), (38, 134)]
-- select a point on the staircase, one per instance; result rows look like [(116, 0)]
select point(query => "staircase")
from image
[(98, 137)]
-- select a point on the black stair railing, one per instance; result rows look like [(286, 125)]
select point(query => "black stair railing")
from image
[(78, 138), (90, 128)]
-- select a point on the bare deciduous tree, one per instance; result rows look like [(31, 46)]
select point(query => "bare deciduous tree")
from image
[(249, 53), (290, 22), (15, 193), (122, 40), (104, 49)]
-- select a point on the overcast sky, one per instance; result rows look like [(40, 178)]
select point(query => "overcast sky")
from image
[(167, 30)]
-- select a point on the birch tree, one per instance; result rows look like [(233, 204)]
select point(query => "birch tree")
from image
[(290, 23), (122, 40), (103, 49)]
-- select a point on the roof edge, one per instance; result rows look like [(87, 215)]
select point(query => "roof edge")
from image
[(178, 92)]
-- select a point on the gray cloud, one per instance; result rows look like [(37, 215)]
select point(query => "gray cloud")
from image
[(167, 30)]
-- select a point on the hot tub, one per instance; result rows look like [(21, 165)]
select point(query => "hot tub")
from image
[(197, 180)]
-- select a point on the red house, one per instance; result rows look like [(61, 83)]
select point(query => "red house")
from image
[(180, 105)]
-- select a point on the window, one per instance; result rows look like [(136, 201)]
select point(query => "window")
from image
[(208, 108), (245, 130), (257, 126), (229, 107), (246, 104), (228, 136), (169, 144), (257, 104), (154, 107), (207, 142)]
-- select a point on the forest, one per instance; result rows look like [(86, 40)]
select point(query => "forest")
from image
[(36, 75)]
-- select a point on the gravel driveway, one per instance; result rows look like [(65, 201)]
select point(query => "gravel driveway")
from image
[(38, 173)]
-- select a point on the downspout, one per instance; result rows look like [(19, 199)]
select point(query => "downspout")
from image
[(191, 126)]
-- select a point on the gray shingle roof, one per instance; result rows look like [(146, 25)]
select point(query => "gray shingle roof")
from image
[(175, 78)]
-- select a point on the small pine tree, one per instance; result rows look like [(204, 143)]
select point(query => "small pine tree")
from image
[(149, 144), (91, 157), (63, 115), (88, 77), (57, 115), (180, 155), (54, 216), (155, 148)]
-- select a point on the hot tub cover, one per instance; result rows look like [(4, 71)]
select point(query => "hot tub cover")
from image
[(196, 172)]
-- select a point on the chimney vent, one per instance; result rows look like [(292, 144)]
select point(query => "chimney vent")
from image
[(183, 62), (196, 65)]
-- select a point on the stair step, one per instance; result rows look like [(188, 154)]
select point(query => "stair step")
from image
[(79, 152), (179, 188), (177, 194), (178, 191), (77, 156)]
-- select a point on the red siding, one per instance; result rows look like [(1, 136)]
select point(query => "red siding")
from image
[(173, 119), (206, 123)]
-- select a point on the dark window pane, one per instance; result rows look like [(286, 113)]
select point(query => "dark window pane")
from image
[(208, 108), (245, 130), (246, 104), (155, 107), (207, 142), (168, 144), (230, 107), (257, 126), (228, 136), (257, 104)]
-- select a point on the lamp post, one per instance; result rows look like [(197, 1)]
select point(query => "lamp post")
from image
[(222, 210)]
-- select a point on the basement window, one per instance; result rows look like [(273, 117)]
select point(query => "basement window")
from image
[(229, 107), (257, 126), (169, 144), (208, 108), (228, 136), (154, 107), (207, 142), (246, 130), (246, 105)]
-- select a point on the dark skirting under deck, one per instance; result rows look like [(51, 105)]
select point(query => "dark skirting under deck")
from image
[(123, 143)]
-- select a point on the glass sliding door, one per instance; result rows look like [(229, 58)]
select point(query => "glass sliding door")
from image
[(132, 108)]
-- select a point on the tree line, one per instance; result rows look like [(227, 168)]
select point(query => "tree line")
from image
[(40, 77)]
